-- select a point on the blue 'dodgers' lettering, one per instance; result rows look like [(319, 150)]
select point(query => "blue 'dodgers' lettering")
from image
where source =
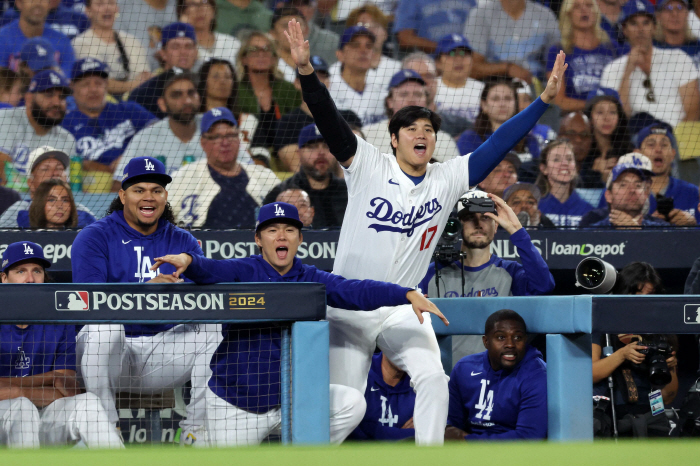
[(405, 222)]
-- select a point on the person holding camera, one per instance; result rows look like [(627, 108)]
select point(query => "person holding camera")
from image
[(643, 367), (477, 272)]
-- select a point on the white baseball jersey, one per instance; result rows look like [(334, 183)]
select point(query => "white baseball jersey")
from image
[(368, 105), (392, 226)]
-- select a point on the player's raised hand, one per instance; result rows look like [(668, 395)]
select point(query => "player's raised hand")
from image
[(179, 261), (299, 47), (421, 304), (556, 79)]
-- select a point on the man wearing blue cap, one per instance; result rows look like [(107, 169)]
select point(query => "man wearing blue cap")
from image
[(406, 88), (37, 54), (36, 124), (653, 83), (218, 191), (354, 88), (243, 405), (179, 53), (38, 371), (457, 94), (102, 130), (121, 248), (32, 23), (328, 193)]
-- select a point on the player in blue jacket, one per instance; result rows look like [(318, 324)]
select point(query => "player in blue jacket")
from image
[(244, 397), (37, 370), (119, 249), (390, 401), (500, 394)]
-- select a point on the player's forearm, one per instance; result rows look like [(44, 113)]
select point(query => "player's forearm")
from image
[(205, 271), (330, 123), (40, 380), (361, 295), (488, 155)]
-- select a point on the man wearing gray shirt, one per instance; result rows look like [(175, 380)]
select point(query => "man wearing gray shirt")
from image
[(486, 274), (34, 125), (511, 37)]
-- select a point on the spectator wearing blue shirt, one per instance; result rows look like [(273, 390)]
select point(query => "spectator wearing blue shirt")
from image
[(32, 23), (500, 394), (419, 24), (657, 142), (674, 31), (588, 49), (102, 130), (557, 182), (63, 19), (390, 402), (627, 192)]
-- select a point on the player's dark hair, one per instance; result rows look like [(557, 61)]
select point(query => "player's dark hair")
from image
[(117, 205), (632, 278), (503, 315), (409, 115), (204, 77)]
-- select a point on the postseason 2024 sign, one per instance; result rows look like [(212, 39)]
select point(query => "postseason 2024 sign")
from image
[(561, 249)]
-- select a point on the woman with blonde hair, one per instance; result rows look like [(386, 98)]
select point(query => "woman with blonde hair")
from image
[(53, 206), (262, 90), (588, 49)]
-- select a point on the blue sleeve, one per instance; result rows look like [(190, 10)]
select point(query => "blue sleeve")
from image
[(533, 277), (532, 417), (552, 56), (191, 247), (359, 295), (65, 350), (425, 283), (407, 15), (85, 218), (89, 260), (488, 155), (206, 271), (67, 55), (468, 142), (457, 415)]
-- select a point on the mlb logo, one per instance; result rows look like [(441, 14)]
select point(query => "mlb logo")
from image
[(691, 313), (72, 301), (199, 241)]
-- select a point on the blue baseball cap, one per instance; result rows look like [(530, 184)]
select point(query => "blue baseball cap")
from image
[(655, 129), (48, 79), (216, 115), (22, 251), (39, 54), (450, 42), (350, 33), (175, 30), (89, 66), (145, 169), (662, 3), (636, 7), (601, 93), (635, 162), (309, 134), (405, 75), (278, 212)]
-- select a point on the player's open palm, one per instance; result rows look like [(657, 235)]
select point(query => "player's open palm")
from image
[(556, 79), (298, 46), (422, 304), (179, 261)]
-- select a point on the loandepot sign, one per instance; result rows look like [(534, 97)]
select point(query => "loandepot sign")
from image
[(600, 250)]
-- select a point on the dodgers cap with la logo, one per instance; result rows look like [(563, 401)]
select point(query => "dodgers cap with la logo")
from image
[(216, 115), (22, 251), (39, 54), (176, 30), (309, 134), (278, 212), (48, 79), (405, 75), (145, 169)]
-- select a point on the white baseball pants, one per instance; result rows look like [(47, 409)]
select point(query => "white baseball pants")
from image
[(19, 423), (110, 363), (408, 344), (229, 426)]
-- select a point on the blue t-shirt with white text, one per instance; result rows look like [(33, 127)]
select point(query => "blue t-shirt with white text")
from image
[(585, 68), (567, 214)]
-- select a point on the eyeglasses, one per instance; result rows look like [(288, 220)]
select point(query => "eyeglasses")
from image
[(256, 49), (650, 96), (676, 7), (458, 53), (230, 137)]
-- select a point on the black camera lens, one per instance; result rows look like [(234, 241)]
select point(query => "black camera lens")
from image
[(452, 228), (590, 273), (659, 375)]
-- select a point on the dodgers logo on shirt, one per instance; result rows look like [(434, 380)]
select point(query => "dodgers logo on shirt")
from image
[(691, 313), (72, 301), (406, 222), (22, 361)]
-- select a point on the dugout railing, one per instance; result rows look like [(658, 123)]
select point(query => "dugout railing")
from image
[(298, 308)]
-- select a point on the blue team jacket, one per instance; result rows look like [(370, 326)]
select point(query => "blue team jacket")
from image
[(110, 251), (499, 405), (36, 349), (388, 408), (246, 365)]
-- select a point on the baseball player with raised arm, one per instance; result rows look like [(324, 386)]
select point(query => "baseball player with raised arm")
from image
[(120, 249), (40, 402), (398, 205), (243, 401)]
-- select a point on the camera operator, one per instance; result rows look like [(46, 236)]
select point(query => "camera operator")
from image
[(642, 366), (480, 273)]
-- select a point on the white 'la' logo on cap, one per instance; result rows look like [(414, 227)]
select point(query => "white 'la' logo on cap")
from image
[(216, 112), (406, 74), (318, 133), (150, 166), (55, 79), (279, 211), (181, 34), (28, 249), (640, 6), (456, 37), (41, 51)]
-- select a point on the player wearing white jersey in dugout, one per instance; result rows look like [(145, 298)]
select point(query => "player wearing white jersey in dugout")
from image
[(397, 205)]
